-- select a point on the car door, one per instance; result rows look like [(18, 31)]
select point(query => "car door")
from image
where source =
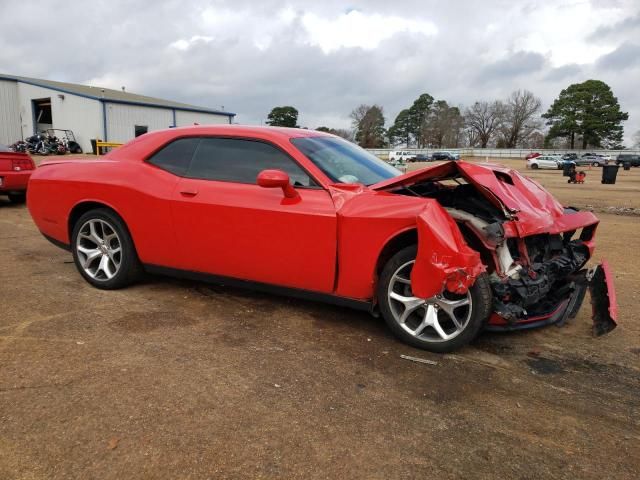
[(228, 225), (546, 162)]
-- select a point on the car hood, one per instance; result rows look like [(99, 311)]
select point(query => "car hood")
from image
[(533, 209)]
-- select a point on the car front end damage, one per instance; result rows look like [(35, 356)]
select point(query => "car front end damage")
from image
[(534, 251)]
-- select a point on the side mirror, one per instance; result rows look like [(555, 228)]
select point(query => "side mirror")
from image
[(277, 179)]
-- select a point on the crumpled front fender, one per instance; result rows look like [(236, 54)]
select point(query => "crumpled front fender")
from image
[(444, 260)]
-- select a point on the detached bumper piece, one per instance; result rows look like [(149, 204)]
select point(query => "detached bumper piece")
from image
[(603, 299), (599, 282)]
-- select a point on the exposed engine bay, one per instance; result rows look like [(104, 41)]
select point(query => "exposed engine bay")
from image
[(532, 277)]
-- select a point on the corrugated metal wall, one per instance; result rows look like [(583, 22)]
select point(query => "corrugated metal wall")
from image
[(85, 115), (9, 113), (189, 118), (68, 112), (122, 119)]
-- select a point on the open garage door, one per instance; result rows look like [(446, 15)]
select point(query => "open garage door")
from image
[(42, 115)]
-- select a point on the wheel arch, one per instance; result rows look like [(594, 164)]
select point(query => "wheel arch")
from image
[(85, 206), (393, 245)]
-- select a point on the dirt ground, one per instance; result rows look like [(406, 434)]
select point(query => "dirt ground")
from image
[(175, 379)]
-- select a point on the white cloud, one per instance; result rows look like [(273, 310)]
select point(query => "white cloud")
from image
[(185, 44), (357, 29)]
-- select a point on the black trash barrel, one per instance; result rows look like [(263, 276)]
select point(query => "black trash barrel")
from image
[(93, 146), (609, 174), (567, 166), (627, 165)]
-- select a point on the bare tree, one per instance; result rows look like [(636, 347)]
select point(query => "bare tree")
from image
[(358, 114), (520, 117), (483, 119), (443, 125), (345, 133), (368, 123)]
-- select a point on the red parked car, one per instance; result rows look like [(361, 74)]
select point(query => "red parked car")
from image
[(532, 155), (15, 170), (441, 252)]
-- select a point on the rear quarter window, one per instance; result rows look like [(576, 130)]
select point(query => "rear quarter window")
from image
[(176, 156)]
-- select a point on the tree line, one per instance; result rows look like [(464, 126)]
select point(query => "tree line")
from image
[(584, 114)]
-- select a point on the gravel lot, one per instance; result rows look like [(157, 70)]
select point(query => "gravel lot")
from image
[(174, 379)]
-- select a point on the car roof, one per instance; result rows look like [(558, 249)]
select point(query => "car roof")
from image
[(140, 146), (240, 130)]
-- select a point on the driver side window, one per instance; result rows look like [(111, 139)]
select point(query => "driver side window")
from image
[(238, 160)]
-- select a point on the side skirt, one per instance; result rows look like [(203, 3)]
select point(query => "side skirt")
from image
[(58, 243), (261, 287)]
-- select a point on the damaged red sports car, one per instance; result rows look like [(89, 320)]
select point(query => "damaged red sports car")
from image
[(441, 253)]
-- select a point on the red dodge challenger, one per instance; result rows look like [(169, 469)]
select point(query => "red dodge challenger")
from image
[(441, 252), (15, 170)]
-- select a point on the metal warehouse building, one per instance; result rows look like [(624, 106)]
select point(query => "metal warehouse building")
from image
[(31, 105)]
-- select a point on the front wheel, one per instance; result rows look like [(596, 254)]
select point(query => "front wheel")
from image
[(103, 250), (595, 164), (534, 166), (442, 323)]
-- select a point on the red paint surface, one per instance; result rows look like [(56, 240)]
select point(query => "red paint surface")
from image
[(444, 259), (15, 180)]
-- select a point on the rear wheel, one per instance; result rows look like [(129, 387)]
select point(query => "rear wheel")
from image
[(595, 164), (442, 323), (103, 250), (17, 197)]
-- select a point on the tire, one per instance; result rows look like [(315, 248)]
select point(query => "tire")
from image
[(473, 314), (595, 164), (102, 235), (534, 166), (17, 198), (74, 147)]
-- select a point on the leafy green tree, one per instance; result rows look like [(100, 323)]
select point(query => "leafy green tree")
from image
[(283, 117), (401, 130), (588, 110), (418, 113), (368, 123)]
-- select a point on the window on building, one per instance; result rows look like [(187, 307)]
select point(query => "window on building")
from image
[(176, 156), (235, 160), (140, 130)]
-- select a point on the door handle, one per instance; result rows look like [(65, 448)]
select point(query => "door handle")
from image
[(188, 193)]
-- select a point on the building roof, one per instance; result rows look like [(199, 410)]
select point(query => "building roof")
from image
[(110, 95)]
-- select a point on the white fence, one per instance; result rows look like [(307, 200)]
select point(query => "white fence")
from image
[(495, 152)]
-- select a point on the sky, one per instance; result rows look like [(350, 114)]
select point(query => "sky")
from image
[(327, 57)]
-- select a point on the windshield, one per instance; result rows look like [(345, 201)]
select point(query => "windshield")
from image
[(343, 161)]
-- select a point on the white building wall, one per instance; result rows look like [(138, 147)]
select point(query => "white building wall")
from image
[(9, 113), (122, 119), (189, 118), (71, 112)]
